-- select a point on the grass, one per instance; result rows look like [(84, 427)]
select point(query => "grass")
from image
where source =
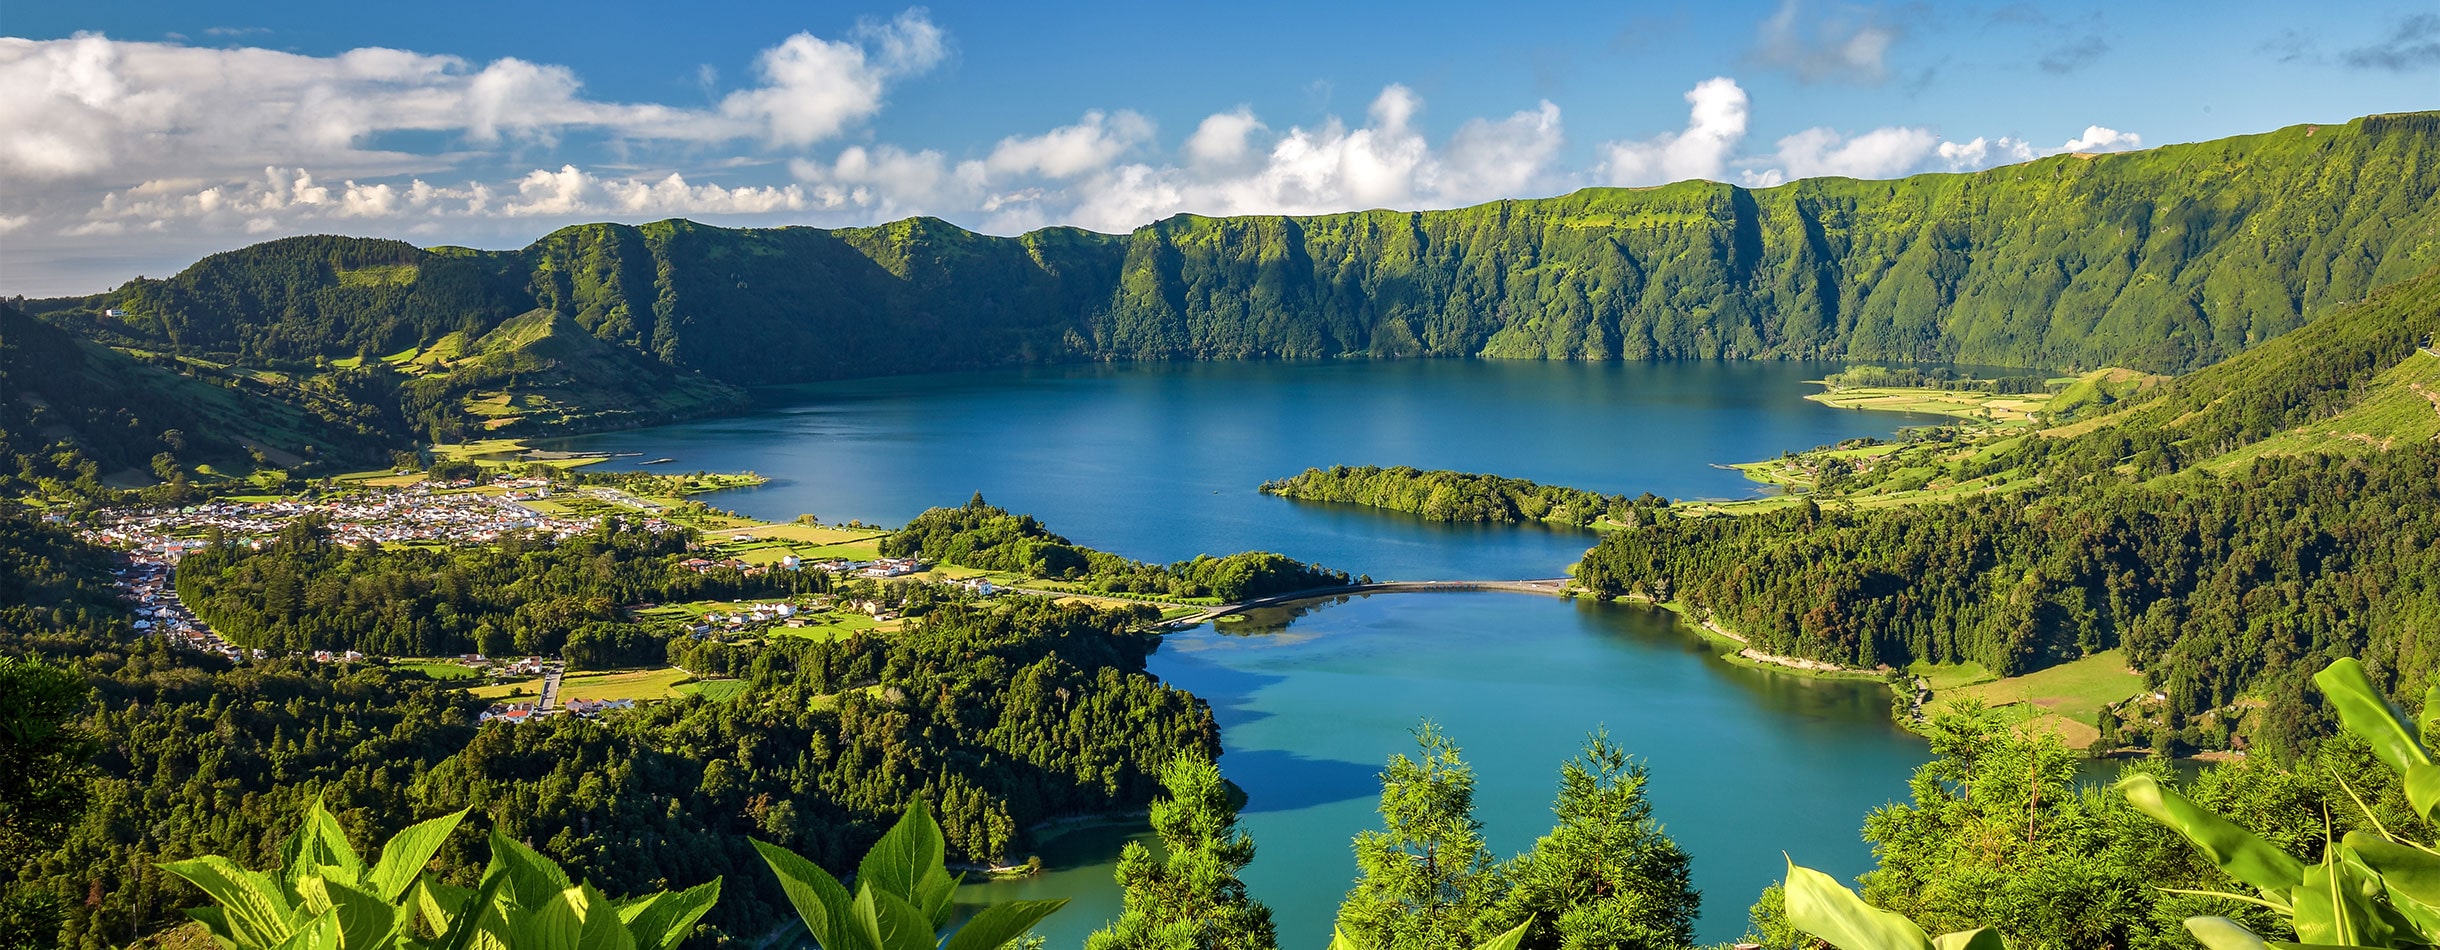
[(2066, 699), (509, 690), (1987, 407), (638, 685), (716, 690), (440, 669)]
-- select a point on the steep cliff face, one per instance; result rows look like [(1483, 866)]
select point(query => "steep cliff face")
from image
[(2162, 260)]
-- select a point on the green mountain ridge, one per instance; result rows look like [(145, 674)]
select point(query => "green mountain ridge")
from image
[(2163, 260)]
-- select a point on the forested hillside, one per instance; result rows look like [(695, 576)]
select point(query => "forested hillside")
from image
[(2192, 528), (2162, 260), (999, 715)]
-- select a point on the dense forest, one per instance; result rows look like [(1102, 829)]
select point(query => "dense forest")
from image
[(523, 596), (2226, 572), (2161, 260), (1457, 496), (984, 537), (1000, 715)]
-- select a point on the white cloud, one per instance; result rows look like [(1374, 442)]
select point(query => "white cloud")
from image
[(93, 108), (1983, 153), (2099, 139), (1487, 160), (1714, 126), (1223, 140), (1818, 152), (1847, 44), (1071, 150), (813, 88)]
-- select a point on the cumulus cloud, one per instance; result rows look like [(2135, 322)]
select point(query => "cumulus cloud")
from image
[(1714, 126), (1845, 44), (93, 108), (2099, 139), (812, 87), (1071, 150), (1984, 153), (1821, 152)]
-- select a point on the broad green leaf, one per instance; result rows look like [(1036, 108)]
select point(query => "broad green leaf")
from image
[(472, 915), (1509, 940), (555, 923), (602, 929), (883, 921), (322, 848), (898, 862), (365, 920), (2408, 870), (1979, 938), (818, 898), (406, 854), (1001, 923), (2221, 933), (664, 921), (532, 879), (319, 933), (2423, 790), (936, 895), (2241, 853), (2368, 714), (252, 906), (439, 903), (2337, 903), (1339, 941), (1819, 905)]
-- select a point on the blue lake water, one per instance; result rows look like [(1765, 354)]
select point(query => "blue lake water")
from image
[(1160, 462)]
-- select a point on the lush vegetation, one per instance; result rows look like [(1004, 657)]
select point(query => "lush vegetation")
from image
[(1606, 875), (2225, 583), (1004, 714), (984, 537), (1459, 496), (523, 596), (2162, 260)]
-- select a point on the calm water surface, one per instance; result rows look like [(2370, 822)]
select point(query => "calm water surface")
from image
[(1160, 463)]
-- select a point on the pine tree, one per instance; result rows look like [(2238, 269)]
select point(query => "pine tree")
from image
[(1607, 876), (1192, 899), (1427, 880)]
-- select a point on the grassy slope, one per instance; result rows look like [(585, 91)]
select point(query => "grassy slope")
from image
[(2164, 259)]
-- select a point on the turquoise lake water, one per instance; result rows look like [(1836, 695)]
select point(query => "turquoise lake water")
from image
[(1160, 462)]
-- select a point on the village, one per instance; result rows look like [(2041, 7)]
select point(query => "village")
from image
[(416, 513)]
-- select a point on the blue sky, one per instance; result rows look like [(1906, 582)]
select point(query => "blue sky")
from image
[(137, 136)]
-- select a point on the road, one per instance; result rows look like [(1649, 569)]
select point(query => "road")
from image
[(550, 687), (1552, 586)]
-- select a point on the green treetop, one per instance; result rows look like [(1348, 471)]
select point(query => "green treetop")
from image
[(1191, 899), (1606, 876), (1427, 881)]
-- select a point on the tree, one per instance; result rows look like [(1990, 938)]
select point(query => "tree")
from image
[(1607, 876), (1999, 834), (1427, 880), (42, 753), (1192, 899)]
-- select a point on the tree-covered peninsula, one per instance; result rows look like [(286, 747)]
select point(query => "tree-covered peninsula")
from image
[(1458, 496)]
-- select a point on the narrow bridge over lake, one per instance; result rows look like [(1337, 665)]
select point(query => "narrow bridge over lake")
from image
[(1552, 586)]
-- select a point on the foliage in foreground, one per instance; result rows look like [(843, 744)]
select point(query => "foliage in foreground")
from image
[(324, 897), (2373, 886), (1191, 898), (903, 899), (1607, 876)]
